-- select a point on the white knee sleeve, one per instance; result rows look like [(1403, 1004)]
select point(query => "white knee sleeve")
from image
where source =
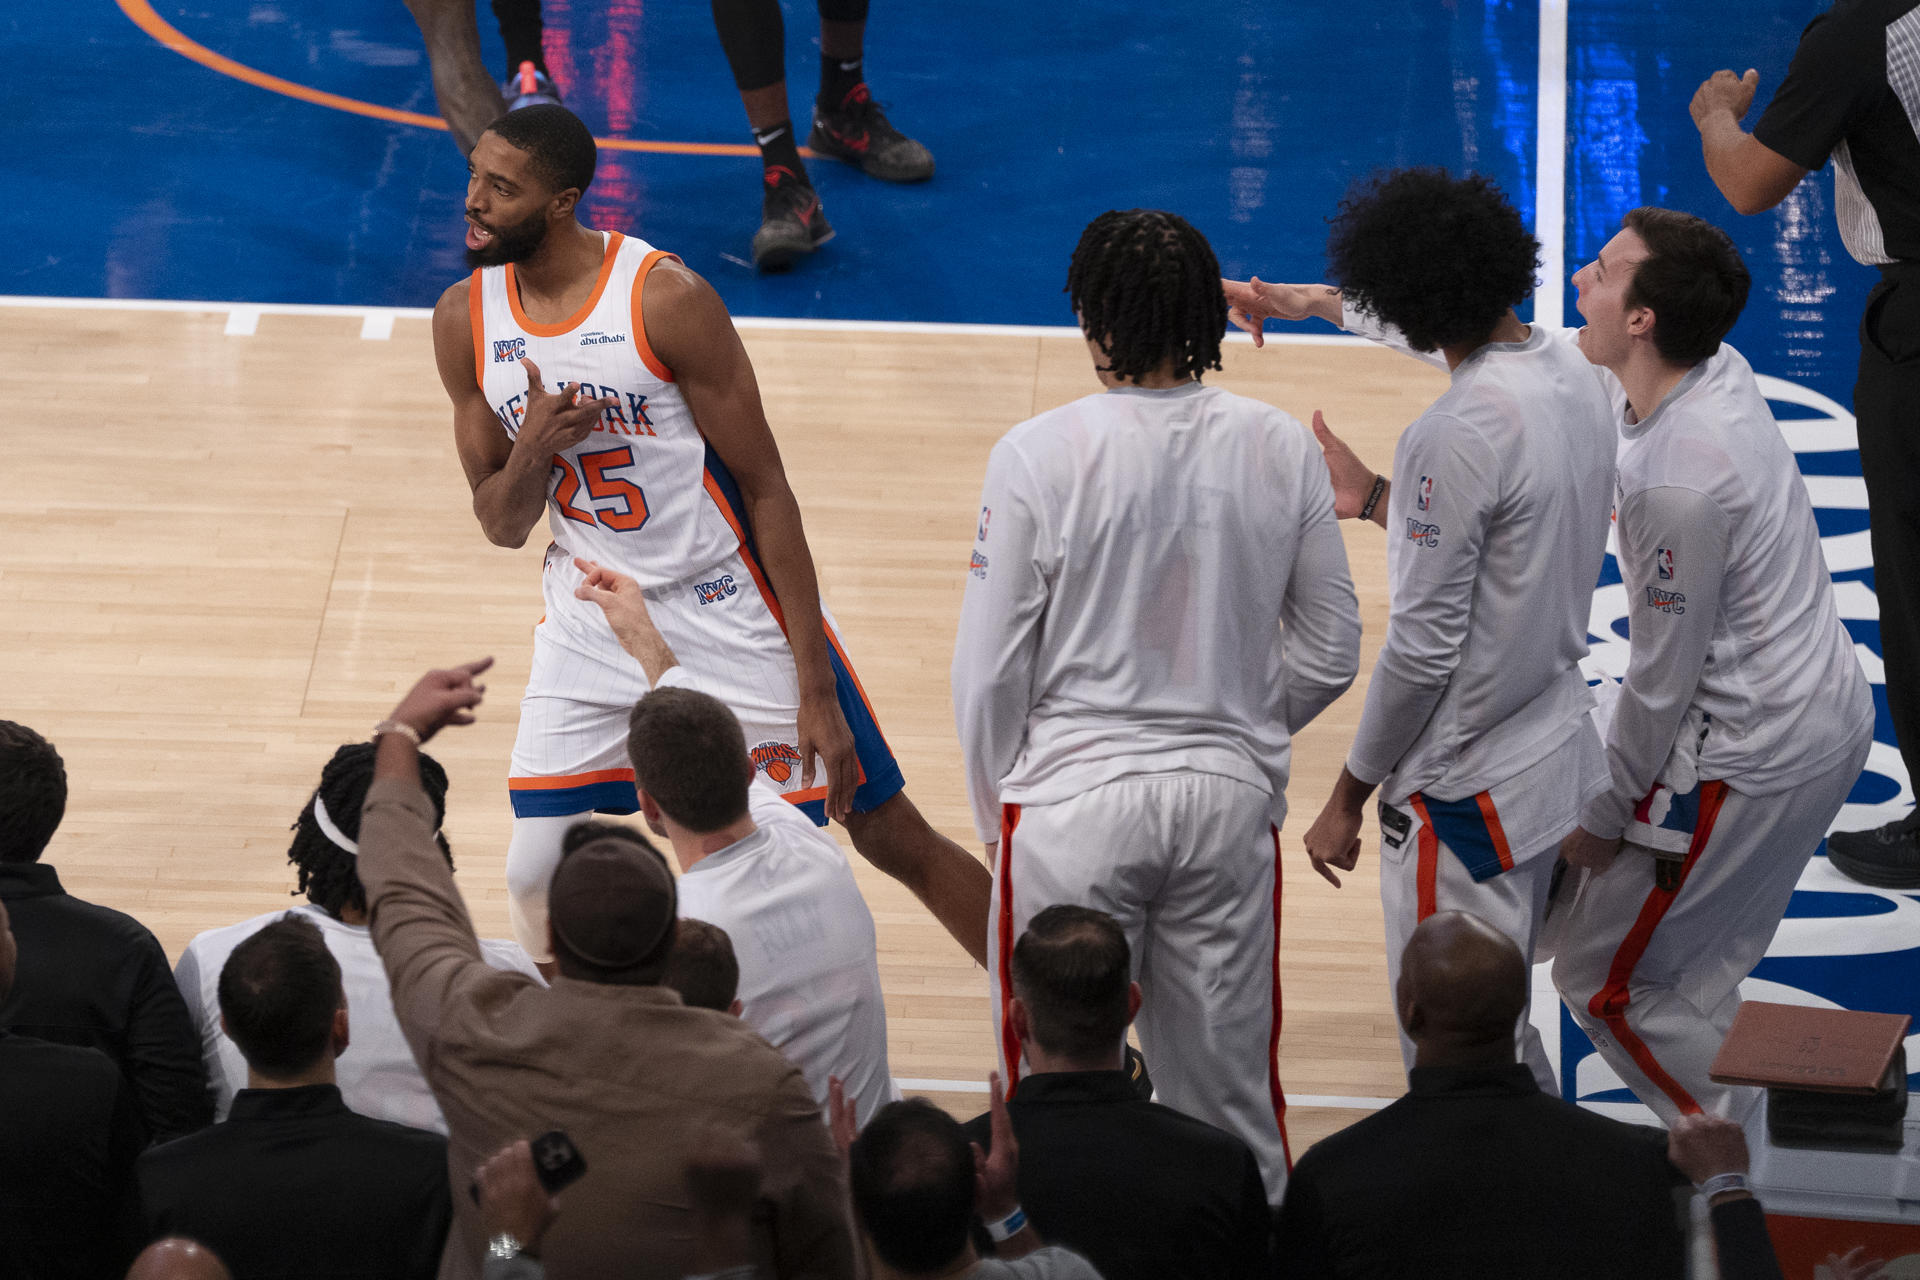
[(532, 855)]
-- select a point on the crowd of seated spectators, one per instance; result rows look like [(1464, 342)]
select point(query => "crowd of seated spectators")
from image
[(359, 1086)]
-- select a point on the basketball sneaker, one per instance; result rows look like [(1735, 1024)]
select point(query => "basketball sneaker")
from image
[(791, 220), (1886, 857), (858, 132), (529, 87)]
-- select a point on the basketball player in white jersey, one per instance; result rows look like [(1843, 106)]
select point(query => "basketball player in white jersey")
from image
[(1158, 600), (653, 457), (753, 865), (1477, 729)]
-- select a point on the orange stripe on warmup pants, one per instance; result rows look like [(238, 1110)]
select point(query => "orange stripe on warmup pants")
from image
[(1423, 875), (1654, 977), (1186, 862)]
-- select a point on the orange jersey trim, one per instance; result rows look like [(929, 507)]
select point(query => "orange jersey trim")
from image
[(1429, 865), (477, 317), (1498, 833), (653, 362), (574, 321), (569, 780)]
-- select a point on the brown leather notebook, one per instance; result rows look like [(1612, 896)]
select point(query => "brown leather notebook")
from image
[(1785, 1046)]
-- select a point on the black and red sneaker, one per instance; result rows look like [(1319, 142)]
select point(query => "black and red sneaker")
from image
[(791, 220), (858, 132)]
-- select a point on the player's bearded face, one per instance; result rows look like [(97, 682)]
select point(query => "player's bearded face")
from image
[(515, 242)]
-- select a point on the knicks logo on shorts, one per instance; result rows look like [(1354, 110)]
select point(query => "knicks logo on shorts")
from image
[(507, 350), (719, 589), (775, 759)]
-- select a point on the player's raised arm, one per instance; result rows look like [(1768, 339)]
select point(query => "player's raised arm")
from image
[(508, 474), (1251, 303), (688, 327)]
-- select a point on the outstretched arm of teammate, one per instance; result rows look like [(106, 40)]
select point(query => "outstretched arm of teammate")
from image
[(998, 645), (688, 328), (620, 599), (1684, 535), (509, 474), (1251, 303)]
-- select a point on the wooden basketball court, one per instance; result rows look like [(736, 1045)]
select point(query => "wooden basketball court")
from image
[(224, 553)]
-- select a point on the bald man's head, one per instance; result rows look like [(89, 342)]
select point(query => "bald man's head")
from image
[(1462, 984), (177, 1259)]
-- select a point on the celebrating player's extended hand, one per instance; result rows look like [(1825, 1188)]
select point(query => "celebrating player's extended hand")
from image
[(824, 733), (1352, 478), (1251, 303), (441, 698), (1334, 840), (995, 1173), (1723, 89), (555, 422)]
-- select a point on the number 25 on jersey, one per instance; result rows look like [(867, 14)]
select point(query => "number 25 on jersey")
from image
[(631, 512)]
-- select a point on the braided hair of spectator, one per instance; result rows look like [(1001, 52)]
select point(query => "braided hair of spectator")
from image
[(1146, 286), (329, 874)]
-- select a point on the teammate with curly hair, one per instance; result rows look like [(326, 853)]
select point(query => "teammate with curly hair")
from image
[(1476, 731), (379, 1078), (1125, 701)]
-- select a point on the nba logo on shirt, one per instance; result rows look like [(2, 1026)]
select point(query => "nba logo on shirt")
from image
[(1424, 498), (986, 518), (509, 349), (1663, 563)]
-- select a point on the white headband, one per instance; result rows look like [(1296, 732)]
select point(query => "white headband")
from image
[(331, 832)]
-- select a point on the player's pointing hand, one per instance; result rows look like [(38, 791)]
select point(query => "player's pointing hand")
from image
[(1352, 478), (621, 599), (441, 698), (555, 422)]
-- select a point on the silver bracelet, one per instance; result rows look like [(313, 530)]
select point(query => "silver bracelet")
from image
[(1722, 1182), (400, 727)]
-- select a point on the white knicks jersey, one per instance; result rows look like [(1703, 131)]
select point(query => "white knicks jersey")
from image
[(642, 492)]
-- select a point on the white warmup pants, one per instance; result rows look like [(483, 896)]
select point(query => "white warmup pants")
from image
[(1186, 863), (1425, 874), (1653, 976)]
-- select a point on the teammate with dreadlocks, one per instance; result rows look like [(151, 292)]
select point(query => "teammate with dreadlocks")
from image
[(378, 1078), (1125, 694), (1476, 730)]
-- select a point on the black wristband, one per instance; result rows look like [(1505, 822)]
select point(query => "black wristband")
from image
[(1373, 499)]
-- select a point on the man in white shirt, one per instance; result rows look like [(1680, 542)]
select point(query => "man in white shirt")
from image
[(757, 867), (1477, 729), (1158, 599), (1744, 718), (377, 1074)]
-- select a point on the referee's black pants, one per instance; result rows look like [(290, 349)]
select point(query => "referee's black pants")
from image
[(1886, 406)]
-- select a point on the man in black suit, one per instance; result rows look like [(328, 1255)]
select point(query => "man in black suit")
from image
[(1141, 1190), (1476, 1172), (67, 1147), (89, 975), (293, 1183)]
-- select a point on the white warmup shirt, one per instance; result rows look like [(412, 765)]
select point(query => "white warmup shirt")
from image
[(1157, 584), (809, 970), (1496, 528), (1731, 605), (377, 1074)]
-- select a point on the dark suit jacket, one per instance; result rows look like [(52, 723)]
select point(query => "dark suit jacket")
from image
[(95, 977), (1141, 1190), (68, 1138), (292, 1184), (1477, 1173)]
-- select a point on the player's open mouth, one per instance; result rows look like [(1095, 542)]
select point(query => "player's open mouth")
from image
[(478, 237)]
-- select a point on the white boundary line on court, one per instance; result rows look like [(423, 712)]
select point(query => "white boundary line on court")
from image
[(1550, 167), (376, 323), (1331, 1100)]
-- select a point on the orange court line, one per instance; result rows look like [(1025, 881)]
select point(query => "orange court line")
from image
[(143, 16)]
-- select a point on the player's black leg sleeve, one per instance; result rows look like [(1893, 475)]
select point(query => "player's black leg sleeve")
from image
[(521, 31), (1886, 405), (844, 10), (755, 39)]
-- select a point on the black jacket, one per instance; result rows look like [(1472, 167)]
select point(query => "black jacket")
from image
[(1143, 1191), (293, 1184), (1477, 1173), (68, 1138), (95, 977)]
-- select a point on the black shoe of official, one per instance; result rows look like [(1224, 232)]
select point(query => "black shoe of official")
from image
[(1886, 857), (792, 222), (858, 132), (1137, 1076)]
